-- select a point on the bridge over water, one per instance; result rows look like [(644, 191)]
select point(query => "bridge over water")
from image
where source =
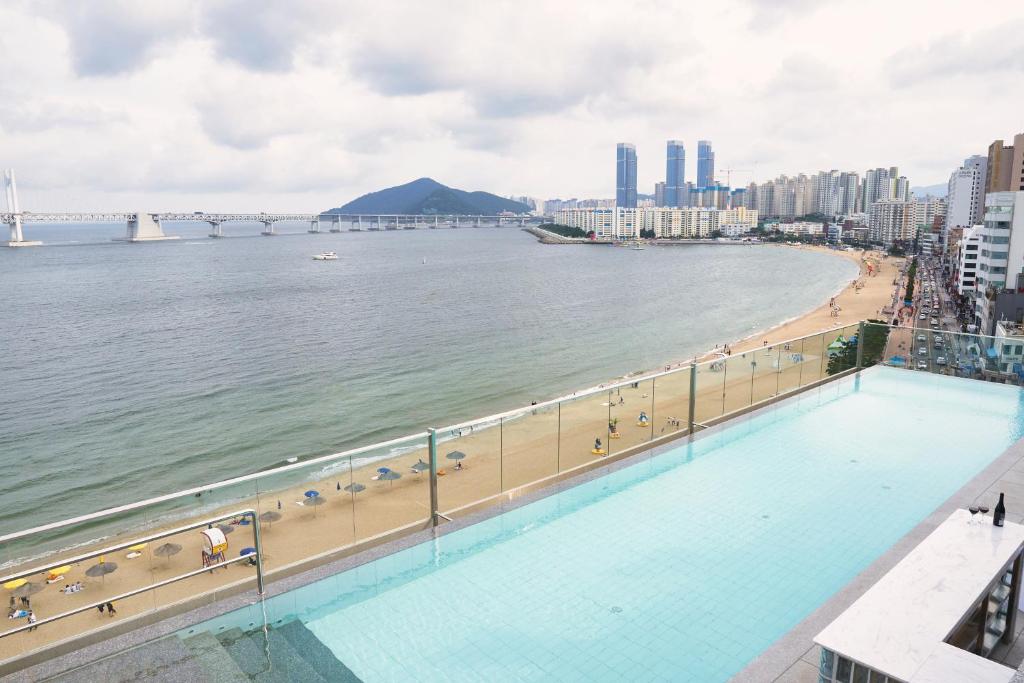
[(148, 227)]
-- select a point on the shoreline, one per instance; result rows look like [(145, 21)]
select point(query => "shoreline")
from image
[(776, 333), (538, 444)]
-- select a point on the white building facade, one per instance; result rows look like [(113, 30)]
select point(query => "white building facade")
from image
[(665, 222), (1000, 254)]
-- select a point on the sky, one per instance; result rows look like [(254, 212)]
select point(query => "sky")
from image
[(302, 105)]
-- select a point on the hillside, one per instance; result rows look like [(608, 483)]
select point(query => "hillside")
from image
[(428, 197)]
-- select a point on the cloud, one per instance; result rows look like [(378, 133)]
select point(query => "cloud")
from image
[(308, 103), (48, 115), (111, 37), (992, 51), (267, 35)]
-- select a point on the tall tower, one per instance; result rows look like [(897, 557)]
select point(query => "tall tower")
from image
[(675, 173), (11, 195), (705, 164), (625, 175)]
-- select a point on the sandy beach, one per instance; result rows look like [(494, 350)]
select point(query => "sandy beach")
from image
[(525, 448)]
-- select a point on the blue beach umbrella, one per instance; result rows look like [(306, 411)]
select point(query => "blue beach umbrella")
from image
[(390, 476), (311, 494)]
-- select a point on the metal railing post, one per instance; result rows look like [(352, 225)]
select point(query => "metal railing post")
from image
[(693, 396), (860, 345), (432, 450), (257, 541)]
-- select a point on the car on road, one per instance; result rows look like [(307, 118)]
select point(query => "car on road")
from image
[(922, 351), (941, 360), (923, 316), (922, 365), (935, 321)]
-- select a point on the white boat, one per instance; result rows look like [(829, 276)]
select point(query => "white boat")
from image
[(637, 246), (326, 256)]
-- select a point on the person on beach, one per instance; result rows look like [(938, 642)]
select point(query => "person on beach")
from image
[(110, 609), (100, 607), (597, 444), (32, 621)]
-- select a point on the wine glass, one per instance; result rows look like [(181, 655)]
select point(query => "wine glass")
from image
[(973, 510), (984, 511)]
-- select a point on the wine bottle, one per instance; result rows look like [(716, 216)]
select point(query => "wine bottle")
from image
[(999, 514)]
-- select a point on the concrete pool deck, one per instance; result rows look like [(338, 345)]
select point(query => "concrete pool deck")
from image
[(791, 658)]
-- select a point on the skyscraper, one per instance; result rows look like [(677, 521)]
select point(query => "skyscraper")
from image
[(675, 173), (625, 175), (705, 164)]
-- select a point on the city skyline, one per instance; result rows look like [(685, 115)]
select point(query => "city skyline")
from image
[(111, 105)]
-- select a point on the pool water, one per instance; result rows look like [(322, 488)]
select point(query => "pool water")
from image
[(682, 567)]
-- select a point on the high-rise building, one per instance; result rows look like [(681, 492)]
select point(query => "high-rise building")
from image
[(892, 220), (846, 193), (1000, 275), (1005, 166), (659, 194), (675, 173), (705, 164), (965, 195), (881, 184), (625, 175)]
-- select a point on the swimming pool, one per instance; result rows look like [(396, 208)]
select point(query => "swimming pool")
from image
[(682, 567)]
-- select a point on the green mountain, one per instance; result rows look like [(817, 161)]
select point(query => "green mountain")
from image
[(428, 197)]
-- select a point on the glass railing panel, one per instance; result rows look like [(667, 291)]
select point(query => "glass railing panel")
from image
[(765, 380), (583, 433), (633, 418), (396, 481), (790, 361), (305, 511), (739, 373), (711, 378), (469, 464), (813, 358), (529, 446), (671, 394)]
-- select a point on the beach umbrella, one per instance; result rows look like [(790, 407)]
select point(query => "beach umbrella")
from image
[(101, 570), (315, 501), (16, 583), (311, 494), (270, 516), (138, 547), (390, 475), (337, 486), (456, 455), (167, 549), (383, 470), (27, 589), (420, 466), (58, 572), (226, 528), (246, 551), (355, 488)]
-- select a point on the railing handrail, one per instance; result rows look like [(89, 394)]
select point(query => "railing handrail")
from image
[(128, 507), (245, 512), (586, 393)]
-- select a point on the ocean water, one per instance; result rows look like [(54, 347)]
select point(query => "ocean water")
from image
[(682, 567), (132, 370)]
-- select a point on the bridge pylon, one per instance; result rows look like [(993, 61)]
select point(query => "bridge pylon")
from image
[(144, 227), (268, 228), (14, 217), (217, 229)]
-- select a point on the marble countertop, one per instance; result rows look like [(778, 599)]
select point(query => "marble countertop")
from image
[(898, 626)]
